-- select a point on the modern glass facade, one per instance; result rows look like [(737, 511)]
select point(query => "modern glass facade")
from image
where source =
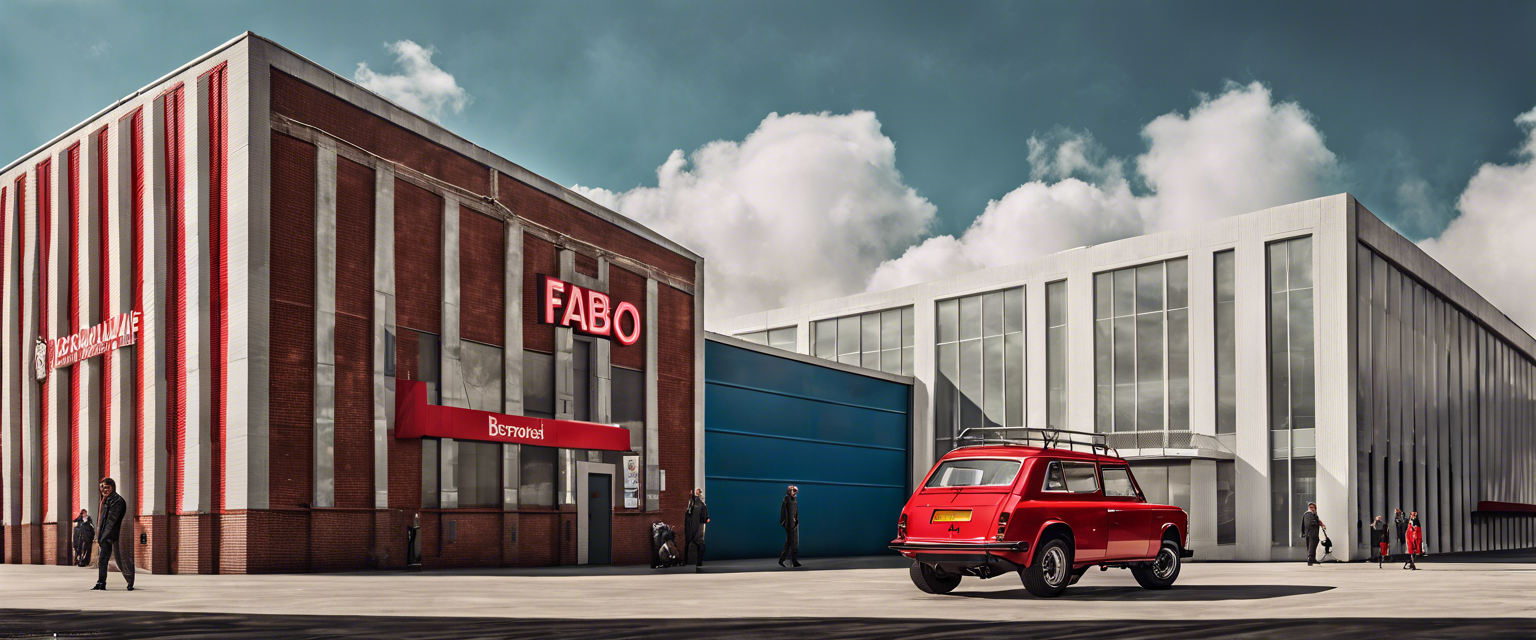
[(1293, 468), (1141, 349), (1056, 355), (1223, 264), (782, 338), (879, 340), (980, 352)]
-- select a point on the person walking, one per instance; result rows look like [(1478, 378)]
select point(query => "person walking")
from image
[(1310, 524), (789, 518), (1400, 527), (113, 509), (1415, 541), (693, 528), (85, 532), (1379, 540)]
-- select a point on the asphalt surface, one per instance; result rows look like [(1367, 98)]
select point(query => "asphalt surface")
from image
[(1480, 596)]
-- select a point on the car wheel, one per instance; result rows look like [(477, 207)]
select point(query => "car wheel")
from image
[(1163, 570), (931, 579), (1051, 571)]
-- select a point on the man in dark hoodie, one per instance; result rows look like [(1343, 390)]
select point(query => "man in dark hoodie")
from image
[(789, 518), (1379, 540), (113, 509), (1400, 526)]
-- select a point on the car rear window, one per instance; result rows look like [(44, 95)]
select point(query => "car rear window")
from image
[(975, 472), (1074, 477)]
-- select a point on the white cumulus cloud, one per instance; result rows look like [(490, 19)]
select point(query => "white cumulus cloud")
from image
[(1489, 244), (1236, 152), (420, 86), (803, 209)]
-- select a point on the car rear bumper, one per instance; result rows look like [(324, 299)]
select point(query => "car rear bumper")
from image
[(966, 547), (1186, 553)]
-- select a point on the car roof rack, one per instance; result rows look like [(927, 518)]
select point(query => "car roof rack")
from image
[(1097, 443)]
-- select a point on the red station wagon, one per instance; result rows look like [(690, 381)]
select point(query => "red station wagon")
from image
[(1048, 504)]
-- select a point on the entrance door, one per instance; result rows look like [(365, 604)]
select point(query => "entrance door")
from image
[(599, 518)]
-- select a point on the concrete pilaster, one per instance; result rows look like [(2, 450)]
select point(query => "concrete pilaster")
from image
[(246, 444), (325, 325), (451, 385), (383, 327), (59, 420), (197, 480), (12, 367), (652, 402), (119, 263), (87, 254), (31, 412), (512, 372), (152, 326)]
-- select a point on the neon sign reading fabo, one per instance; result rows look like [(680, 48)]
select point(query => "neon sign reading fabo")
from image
[(586, 311)]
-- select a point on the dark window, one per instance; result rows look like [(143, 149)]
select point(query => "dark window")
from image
[(429, 477), (1226, 502), (538, 384), (429, 365), (581, 397), (538, 476), (629, 404)]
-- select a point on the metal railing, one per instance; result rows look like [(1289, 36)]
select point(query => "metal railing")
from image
[(1164, 440), (1032, 437)]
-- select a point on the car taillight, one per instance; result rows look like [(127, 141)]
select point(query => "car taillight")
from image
[(1002, 525), (901, 526)]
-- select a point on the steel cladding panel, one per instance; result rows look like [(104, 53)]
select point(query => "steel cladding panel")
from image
[(841, 437)]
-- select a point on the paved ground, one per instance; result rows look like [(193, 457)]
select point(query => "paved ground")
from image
[(1477, 596)]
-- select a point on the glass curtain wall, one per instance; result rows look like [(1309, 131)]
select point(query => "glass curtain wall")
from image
[(1056, 355), (1293, 469), (879, 340), (1226, 343), (980, 351), (783, 338), (1141, 350)]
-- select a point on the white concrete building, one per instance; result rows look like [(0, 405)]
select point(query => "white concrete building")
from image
[(1247, 366)]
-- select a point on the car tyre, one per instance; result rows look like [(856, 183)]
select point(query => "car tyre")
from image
[(1162, 571), (1051, 571), (930, 579)]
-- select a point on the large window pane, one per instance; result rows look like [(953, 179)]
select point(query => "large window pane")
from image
[(1056, 354), (1013, 310), (992, 314), (848, 339), (1226, 502), (1125, 292), (756, 337), (1149, 288), (1178, 370), (995, 405), (483, 370), (629, 404), (1299, 263), (430, 481), (581, 380), (1103, 296), (429, 362), (1301, 351), (826, 339), (1226, 344), (970, 384), (1013, 377), (946, 392), (907, 327), (970, 318), (537, 477), (784, 338), (949, 320), (538, 384), (890, 329), (869, 331), (1280, 504), (890, 360), (1178, 283)]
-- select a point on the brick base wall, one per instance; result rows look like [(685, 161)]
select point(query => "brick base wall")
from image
[(55, 549), (31, 549), (152, 556), (193, 537)]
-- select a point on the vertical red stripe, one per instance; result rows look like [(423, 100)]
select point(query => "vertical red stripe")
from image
[(72, 303), (218, 114), (104, 264), (136, 159), (176, 305), (44, 244)]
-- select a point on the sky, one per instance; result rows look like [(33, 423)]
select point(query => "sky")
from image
[(811, 149)]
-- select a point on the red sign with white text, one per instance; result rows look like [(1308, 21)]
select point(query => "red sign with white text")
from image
[(416, 418), (587, 312), (120, 330)]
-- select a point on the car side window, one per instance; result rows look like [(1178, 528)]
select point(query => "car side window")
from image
[(1054, 481), (1117, 483), (1081, 477)]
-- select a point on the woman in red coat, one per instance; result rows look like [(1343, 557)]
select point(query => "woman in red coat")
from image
[(1415, 540)]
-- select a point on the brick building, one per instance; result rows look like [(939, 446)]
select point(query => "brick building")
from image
[(291, 319)]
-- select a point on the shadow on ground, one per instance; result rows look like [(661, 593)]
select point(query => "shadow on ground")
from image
[(1195, 593), (118, 624)]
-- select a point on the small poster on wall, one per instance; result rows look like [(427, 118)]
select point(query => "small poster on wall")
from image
[(631, 499), (631, 472)]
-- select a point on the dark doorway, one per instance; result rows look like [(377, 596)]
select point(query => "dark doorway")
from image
[(599, 518)]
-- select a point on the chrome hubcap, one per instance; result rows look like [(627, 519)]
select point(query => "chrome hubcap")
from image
[(1167, 560), (1054, 566)]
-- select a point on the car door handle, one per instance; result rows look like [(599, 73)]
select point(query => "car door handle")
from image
[(1113, 510)]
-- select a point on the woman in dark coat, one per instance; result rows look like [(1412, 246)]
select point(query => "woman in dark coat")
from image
[(85, 534), (1379, 540)]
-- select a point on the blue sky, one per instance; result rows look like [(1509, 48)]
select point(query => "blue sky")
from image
[(1411, 100)]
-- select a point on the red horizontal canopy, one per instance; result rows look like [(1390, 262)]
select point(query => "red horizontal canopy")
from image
[(415, 418), (1506, 507)]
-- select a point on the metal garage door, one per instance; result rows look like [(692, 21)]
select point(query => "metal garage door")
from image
[(776, 420)]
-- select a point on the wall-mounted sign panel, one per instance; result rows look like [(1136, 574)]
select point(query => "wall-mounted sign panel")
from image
[(586, 311), (121, 330)]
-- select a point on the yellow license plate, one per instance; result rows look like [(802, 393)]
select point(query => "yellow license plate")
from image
[(952, 516)]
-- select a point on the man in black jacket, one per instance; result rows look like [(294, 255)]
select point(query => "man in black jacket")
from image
[(1400, 526), (113, 509), (1310, 524), (693, 528), (789, 518)]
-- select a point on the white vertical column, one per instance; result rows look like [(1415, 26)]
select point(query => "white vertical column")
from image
[(198, 456), (1333, 294), (325, 325), (59, 418), (565, 347), (152, 330), (248, 238), (383, 327), (512, 359), (1250, 318), (924, 354), (652, 403), (58, 325), (87, 256), (119, 261), (31, 414), (451, 382), (16, 358), (1036, 397)]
